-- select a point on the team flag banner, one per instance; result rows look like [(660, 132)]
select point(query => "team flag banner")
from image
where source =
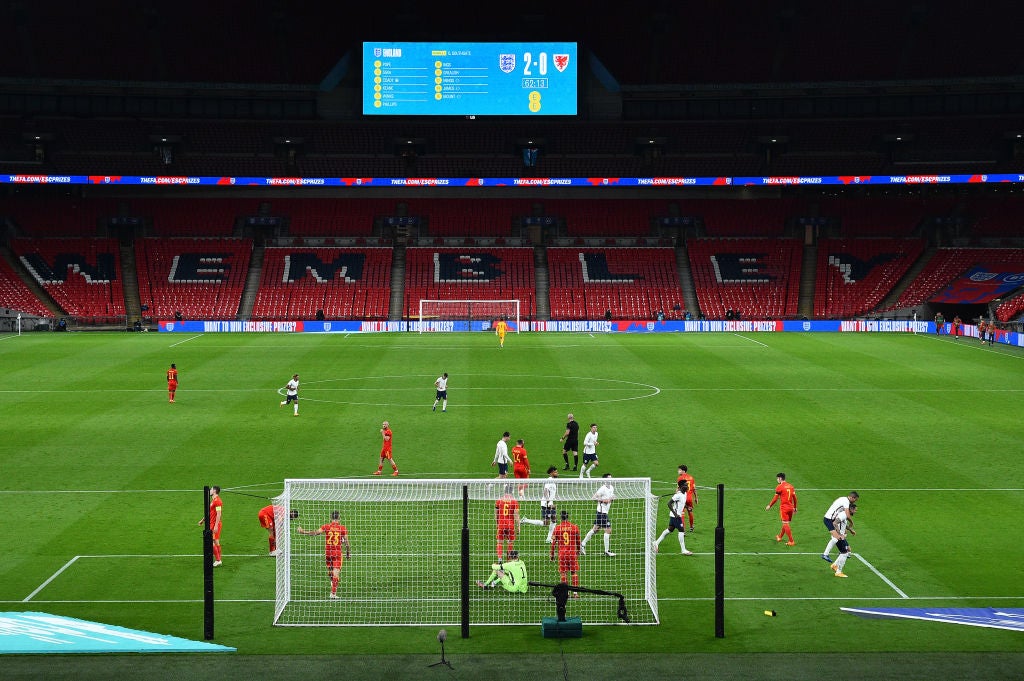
[(979, 285)]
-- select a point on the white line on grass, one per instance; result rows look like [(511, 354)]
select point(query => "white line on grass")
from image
[(902, 595), (665, 599), (174, 345), (881, 576), (844, 598), (739, 335), (52, 577), (761, 490), (444, 476), (977, 345)]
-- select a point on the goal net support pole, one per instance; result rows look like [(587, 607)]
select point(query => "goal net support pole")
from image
[(467, 315), (418, 548)]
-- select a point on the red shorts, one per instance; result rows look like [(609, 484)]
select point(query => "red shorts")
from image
[(216, 534), (568, 563), (519, 472), (172, 385), (386, 454), (507, 532), (333, 561), (786, 513)]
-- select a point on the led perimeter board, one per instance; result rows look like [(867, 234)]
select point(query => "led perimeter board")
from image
[(470, 79)]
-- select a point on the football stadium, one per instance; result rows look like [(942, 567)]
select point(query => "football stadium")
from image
[(406, 341)]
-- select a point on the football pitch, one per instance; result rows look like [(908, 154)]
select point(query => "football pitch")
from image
[(102, 487)]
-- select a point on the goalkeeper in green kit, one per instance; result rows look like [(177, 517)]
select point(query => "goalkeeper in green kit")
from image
[(511, 574)]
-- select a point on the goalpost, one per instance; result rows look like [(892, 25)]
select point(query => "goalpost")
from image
[(467, 315), (407, 560)]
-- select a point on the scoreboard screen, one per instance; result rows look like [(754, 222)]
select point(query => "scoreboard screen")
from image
[(470, 79)]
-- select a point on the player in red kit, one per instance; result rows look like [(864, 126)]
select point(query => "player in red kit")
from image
[(691, 493), (786, 496), (335, 536), (266, 518), (506, 517), (216, 516), (520, 465), (385, 450), (567, 538), (172, 383)]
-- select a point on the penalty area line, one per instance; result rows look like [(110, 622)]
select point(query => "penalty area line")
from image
[(763, 345), (54, 576), (881, 576), (186, 340)]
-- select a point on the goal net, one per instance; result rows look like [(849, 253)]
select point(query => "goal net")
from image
[(467, 315), (406, 565)]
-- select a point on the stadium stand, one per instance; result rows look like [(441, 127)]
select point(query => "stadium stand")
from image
[(15, 295), (206, 217), (340, 283), (628, 283), (332, 217), (883, 216), (56, 216), (81, 275), (472, 272), (999, 218), (855, 275), (754, 278), (949, 263), (458, 217), (200, 278)]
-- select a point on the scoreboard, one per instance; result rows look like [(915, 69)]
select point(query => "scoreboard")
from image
[(470, 79)]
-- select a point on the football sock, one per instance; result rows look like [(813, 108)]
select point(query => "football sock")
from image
[(334, 585), (841, 561), (828, 549), (690, 514), (216, 551), (587, 538), (499, 549), (789, 531), (607, 542), (664, 533), (551, 533), (273, 544), (444, 405), (682, 541), (575, 460)]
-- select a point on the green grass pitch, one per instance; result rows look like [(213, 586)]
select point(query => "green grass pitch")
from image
[(99, 471)]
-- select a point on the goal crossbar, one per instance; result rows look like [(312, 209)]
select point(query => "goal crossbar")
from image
[(467, 315)]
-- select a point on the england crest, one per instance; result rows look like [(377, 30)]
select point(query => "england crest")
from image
[(561, 62), (507, 63)]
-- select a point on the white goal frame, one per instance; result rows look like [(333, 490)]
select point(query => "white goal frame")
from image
[(446, 315), (419, 545)]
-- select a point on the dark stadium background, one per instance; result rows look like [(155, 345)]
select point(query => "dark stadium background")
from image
[(666, 89)]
